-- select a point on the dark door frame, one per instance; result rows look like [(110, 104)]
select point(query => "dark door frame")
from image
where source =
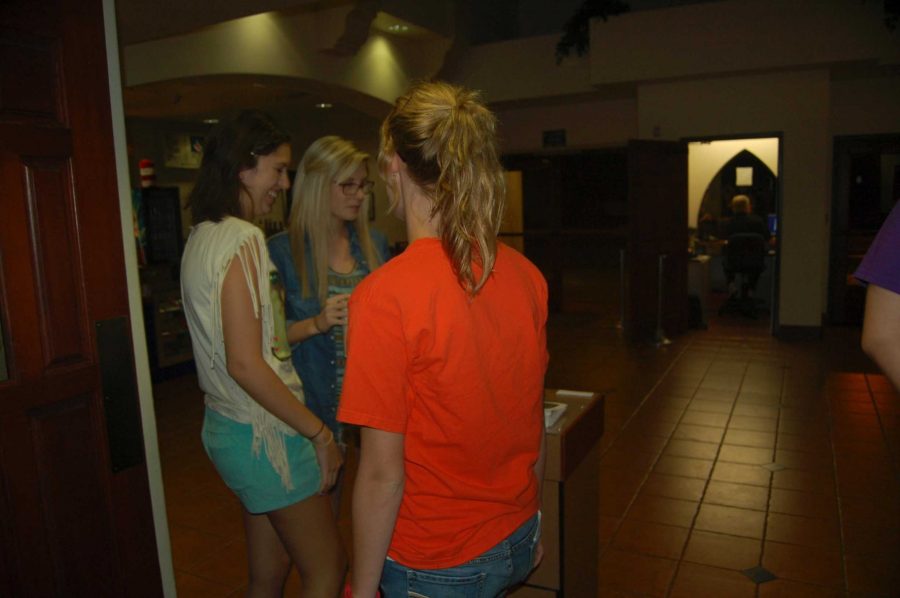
[(842, 148)]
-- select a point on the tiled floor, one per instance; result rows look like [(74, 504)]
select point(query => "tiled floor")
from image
[(727, 453)]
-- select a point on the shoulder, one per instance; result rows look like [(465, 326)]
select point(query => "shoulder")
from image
[(407, 273), (229, 233), (279, 240)]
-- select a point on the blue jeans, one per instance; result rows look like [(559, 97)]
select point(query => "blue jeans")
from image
[(486, 576)]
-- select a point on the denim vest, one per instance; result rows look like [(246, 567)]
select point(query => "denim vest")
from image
[(314, 358)]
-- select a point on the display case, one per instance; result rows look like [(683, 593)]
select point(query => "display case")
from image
[(173, 341), (168, 338)]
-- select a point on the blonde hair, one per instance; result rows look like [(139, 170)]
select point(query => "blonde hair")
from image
[(740, 204), (448, 140), (327, 160)]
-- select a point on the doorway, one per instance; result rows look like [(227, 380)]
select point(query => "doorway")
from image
[(866, 187), (718, 171)]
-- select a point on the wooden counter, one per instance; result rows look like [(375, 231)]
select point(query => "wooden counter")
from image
[(570, 501)]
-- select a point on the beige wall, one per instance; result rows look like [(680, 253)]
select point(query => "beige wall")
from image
[(588, 124), (868, 106), (733, 36), (521, 69), (795, 105)]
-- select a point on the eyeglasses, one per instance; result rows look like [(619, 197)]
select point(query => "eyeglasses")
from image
[(350, 188)]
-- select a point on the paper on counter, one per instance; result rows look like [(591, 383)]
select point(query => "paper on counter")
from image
[(582, 394), (552, 412)]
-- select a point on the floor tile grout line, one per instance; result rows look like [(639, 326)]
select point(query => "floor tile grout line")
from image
[(892, 452), (770, 487), (692, 528), (646, 397), (627, 422), (837, 487)]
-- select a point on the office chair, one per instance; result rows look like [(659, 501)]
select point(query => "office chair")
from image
[(743, 257)]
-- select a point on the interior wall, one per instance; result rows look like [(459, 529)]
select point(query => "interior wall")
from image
[(794, 104), (521, 69), (866, 106), (706, 39), (588, 124), (705, 159)]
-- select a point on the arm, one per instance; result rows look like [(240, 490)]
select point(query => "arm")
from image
[(376, 500), (242, 335), (881, 331), (303, 322)]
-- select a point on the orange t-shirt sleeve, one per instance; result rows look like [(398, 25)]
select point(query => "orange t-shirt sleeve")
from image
[(375, 381)]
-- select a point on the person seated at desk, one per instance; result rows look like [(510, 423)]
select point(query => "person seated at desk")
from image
[(744, 220), (745, 250)]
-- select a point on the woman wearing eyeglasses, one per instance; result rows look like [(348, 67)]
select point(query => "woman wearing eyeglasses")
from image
[(326, 251)]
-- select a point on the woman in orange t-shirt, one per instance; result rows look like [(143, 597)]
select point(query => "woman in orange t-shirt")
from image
[(446, 361)]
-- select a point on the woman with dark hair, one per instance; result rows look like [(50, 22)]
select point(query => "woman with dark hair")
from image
[(447, 355), (273, 452)]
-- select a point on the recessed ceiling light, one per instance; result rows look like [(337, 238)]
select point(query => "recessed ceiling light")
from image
[(211, 121), (323, 105), (398, 28)]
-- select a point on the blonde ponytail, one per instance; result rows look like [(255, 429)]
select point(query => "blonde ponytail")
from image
[(448, 140)]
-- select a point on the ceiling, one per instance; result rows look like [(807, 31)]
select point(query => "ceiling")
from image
[(199, 98), (140, 21)]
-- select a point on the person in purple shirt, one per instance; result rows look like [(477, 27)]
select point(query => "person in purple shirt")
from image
[(880, 269)]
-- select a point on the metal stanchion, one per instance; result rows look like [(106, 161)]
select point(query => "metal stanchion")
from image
[(621, 322), (660, 338)]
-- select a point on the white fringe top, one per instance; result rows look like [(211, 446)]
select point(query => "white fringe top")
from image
[(209, 251)]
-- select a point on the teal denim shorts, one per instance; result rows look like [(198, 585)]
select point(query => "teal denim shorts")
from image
[(250, 476)]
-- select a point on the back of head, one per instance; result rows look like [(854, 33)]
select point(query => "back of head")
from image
[(448, 140), (232, 146), (740, 204)]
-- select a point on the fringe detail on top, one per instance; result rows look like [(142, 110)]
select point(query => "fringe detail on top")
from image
[(267, 429)]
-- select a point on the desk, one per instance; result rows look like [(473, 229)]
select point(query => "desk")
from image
[(570, 501), (699, 284)]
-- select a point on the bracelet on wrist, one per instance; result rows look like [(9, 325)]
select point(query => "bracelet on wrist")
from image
[(316, 324), (327, 442), (319, 431)]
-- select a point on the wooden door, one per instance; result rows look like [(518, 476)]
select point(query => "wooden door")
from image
[(75, 517), (657, 218)]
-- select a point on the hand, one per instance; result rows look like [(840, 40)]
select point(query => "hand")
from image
[(334, 313), (330, 461)]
